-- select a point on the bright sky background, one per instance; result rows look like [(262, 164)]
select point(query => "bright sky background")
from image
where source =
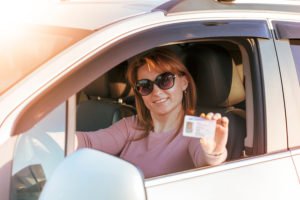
[(14, 11)]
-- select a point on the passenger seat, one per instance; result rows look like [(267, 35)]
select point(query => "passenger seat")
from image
[(219, 89)]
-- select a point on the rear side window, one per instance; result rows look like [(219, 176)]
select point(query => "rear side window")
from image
[(295, 46)]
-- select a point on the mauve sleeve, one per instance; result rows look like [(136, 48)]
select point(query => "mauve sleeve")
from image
[(110, 140), (201, 158)]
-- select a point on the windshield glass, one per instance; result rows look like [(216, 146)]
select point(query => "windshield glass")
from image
[(24, 50)]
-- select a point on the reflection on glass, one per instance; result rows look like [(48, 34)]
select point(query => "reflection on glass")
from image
[(37, 154)]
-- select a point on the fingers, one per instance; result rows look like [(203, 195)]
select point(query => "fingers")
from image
[(224, 121), (217, 116), (211, 115), (207, 116)]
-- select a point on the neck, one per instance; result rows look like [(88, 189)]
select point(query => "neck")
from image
[(168, 122)]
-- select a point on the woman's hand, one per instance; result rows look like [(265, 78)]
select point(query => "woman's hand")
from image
[(217, 145)]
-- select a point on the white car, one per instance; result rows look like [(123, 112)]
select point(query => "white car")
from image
[(65, 72)]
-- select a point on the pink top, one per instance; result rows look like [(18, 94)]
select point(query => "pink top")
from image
[(157, 154)]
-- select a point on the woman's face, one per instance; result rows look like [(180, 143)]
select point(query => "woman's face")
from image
[(162, 102)]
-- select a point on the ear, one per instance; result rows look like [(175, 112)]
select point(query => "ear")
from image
[(184, 83)]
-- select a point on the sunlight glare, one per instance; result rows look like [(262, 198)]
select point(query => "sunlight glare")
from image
[(15, 13)]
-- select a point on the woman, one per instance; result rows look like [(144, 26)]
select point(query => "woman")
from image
[(153, 140)]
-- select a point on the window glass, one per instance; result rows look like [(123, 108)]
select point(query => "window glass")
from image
[(37, 154), (295, 46)]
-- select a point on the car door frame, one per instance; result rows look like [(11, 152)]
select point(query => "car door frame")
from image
[(285, 30)]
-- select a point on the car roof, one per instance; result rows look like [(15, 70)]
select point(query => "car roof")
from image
[(94, 14)]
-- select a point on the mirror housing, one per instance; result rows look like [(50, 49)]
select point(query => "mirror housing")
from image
[(91, 174)]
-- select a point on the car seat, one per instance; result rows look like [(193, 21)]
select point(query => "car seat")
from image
[(103, 104), (219, 89)]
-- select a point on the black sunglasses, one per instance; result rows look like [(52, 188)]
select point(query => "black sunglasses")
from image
[(164, 81)]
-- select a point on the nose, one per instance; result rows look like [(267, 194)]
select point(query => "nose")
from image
[(156, 90)]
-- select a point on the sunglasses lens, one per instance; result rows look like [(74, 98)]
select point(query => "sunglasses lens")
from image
[(165, 81), (144, 87)]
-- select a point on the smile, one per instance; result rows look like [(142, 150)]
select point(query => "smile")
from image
[(160, 100)]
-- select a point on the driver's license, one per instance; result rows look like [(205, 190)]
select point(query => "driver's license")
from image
[(198, 127)]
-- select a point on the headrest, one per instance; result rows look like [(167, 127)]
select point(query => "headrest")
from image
[(215, 74), (119, 87), (112, 84), (98, 88)]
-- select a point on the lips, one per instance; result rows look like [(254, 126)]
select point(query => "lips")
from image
[(162, 100)]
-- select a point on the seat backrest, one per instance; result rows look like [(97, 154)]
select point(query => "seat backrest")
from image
[(219, 89), (104, 105), (98, 114)]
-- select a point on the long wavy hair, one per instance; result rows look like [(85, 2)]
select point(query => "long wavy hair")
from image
[(161, 60)]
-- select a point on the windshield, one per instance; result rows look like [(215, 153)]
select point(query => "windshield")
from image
[(25, 49)]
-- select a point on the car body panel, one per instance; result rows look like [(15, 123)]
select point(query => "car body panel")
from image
[(296, 159), (275, 120), (93, 15), (39, 43), (6, 151), (249, 177), (290, 87)]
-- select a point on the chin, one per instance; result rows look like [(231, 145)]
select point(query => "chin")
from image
[(164, 111)]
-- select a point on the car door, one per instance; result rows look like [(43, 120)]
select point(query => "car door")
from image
[(288, 47), (253, 176)]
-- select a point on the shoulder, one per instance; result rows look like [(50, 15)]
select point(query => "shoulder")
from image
[(130, 121), (131, 125)]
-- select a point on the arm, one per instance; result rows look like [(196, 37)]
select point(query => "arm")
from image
[(110, 140)]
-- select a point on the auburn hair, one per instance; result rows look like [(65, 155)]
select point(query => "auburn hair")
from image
[(161, 60)]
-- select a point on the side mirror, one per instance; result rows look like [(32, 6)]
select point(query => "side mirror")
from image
[(91, 174)]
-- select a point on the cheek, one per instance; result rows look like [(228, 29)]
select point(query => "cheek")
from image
[(176, 91), (178, 94)]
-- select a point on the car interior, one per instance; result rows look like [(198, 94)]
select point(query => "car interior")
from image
[(105, 101), (217, 70)]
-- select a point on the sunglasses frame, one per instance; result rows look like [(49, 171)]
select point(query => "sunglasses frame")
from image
[(156, 82)]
